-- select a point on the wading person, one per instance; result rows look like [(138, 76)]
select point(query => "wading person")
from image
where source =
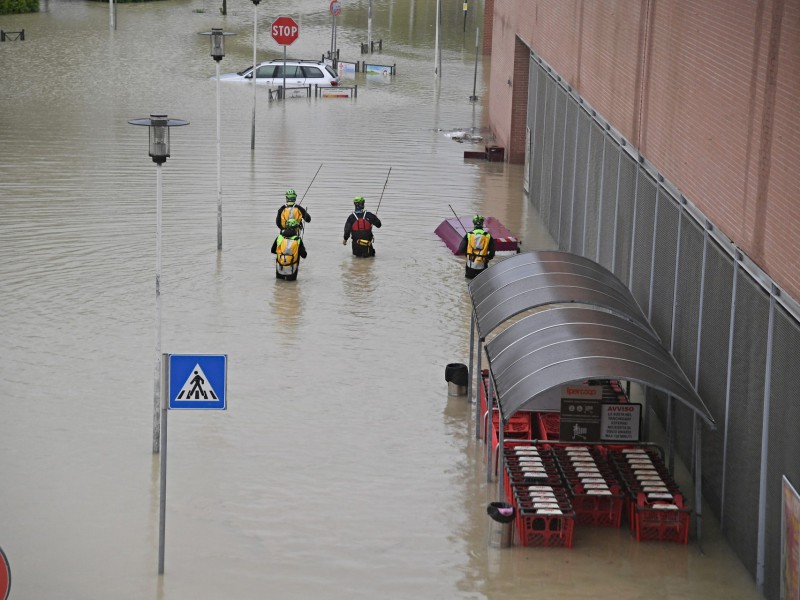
[(359, 225), (478, 245), (288, 249), (291, 211)]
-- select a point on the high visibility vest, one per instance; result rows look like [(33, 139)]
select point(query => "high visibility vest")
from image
[(290, 212), (287, 255), (477, 249)]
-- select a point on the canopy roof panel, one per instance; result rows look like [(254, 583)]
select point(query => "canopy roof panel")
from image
[(533, 279), (602, 334), (557, 346)]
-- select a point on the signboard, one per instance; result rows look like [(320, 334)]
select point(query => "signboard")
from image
[(285, 30), (790, 542), (198, 381), (582, 391), (620, 422), (336, 8), (5, 576), (580, 420)]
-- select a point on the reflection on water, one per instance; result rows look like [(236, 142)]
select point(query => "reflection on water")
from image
[(341, 469)]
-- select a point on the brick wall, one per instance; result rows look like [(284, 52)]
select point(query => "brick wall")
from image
[(708, 90)]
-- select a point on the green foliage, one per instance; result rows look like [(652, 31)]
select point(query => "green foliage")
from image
[(9, 7)]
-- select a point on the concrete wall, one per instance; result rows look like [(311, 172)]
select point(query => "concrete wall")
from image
[(707, 90)]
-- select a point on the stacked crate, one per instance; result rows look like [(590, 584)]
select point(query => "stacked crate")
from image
[(595, 491), (656, 508), (544, 515)]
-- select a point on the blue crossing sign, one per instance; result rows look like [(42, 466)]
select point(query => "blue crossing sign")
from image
[(198, 381)]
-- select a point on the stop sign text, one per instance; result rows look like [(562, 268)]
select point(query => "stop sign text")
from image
[(285, 30)]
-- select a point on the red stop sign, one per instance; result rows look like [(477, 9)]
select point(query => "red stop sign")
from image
[(285, 30)]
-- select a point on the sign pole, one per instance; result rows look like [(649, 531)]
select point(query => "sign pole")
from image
[(255, 35), (162, 502), (284, 72)]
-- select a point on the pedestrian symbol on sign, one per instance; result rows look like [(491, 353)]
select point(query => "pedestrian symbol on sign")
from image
[(196, 387)]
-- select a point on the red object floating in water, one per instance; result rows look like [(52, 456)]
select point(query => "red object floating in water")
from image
[(452, 230)]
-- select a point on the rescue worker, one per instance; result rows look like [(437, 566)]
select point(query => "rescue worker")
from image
[(478, 245), (291, 211), (359, 225), (288, 249)]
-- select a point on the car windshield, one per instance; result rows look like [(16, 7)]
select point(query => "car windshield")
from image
[(245, 72)]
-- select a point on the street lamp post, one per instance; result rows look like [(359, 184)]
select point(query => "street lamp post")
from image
[(159, 151), (217, 52), (255, 36)]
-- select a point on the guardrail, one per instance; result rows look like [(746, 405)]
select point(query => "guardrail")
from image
[(12, 35), (341, 91)]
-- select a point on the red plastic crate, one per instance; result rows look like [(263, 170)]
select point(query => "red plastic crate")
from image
[(552, 531), (549, 425), (662, 525), (603, 511)]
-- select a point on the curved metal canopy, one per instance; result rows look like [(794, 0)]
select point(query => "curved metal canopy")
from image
[(603, 334), (558, 346), (533, 279)]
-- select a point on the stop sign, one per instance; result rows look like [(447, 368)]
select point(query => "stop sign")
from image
[(285, 30)]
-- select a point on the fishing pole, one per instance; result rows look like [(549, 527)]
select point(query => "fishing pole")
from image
[(384, 189), (309, 185), (459, 221)]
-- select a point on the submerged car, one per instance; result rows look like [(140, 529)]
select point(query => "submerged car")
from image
[(298, 72)]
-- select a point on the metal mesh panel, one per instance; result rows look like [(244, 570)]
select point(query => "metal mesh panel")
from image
[(664, 269), (537, 134), (557, 166), (784, 442), (684, 337), (643, 240), (744, 432), (547, 149), (593, 193), (568, 175), (579, 203), (714, 366), (609, 200), (625, 204)]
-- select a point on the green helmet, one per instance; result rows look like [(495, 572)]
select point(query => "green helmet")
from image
[(359, 200), (477, 220), (291, 196), (292, 224)]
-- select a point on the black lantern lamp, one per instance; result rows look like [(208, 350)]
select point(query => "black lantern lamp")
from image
[(217, 42), (159, 135)]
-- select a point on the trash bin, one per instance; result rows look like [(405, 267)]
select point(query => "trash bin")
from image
[(456, 375), (503, 513)]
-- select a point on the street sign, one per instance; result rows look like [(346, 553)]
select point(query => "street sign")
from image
[(285, 30), (336, 8), (5, 576), (198, 381)]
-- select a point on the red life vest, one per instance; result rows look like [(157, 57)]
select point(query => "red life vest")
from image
[(361, 223)]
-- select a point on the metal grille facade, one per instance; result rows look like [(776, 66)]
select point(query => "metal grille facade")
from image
[(733, 333)]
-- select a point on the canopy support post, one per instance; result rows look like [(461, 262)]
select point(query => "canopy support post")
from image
[(487, 434), (698, 482), (470, 372), (478, 384)]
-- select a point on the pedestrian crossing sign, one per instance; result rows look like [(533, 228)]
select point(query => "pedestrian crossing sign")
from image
[(198, 381)]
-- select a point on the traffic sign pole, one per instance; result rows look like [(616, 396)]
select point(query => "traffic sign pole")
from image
[(162, 501)]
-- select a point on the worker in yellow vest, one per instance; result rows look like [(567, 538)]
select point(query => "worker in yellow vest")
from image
[(288, 249), (290, 210), (478, 245)]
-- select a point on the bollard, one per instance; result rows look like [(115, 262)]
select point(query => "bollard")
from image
[(456, 375), (503, 513)]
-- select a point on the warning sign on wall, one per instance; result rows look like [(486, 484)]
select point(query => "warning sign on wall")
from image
[(620, 422)]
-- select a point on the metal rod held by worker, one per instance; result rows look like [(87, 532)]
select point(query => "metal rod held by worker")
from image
[(459, 221), (383, 190), (309, 185)]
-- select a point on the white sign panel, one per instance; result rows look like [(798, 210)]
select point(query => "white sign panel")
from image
[(620, 422)]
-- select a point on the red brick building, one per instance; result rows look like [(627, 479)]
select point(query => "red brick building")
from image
[(707, 90)]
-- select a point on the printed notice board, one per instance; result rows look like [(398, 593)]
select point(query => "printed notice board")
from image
[(620, 422)]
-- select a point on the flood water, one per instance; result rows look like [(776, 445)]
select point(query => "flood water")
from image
[(341, 468)]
